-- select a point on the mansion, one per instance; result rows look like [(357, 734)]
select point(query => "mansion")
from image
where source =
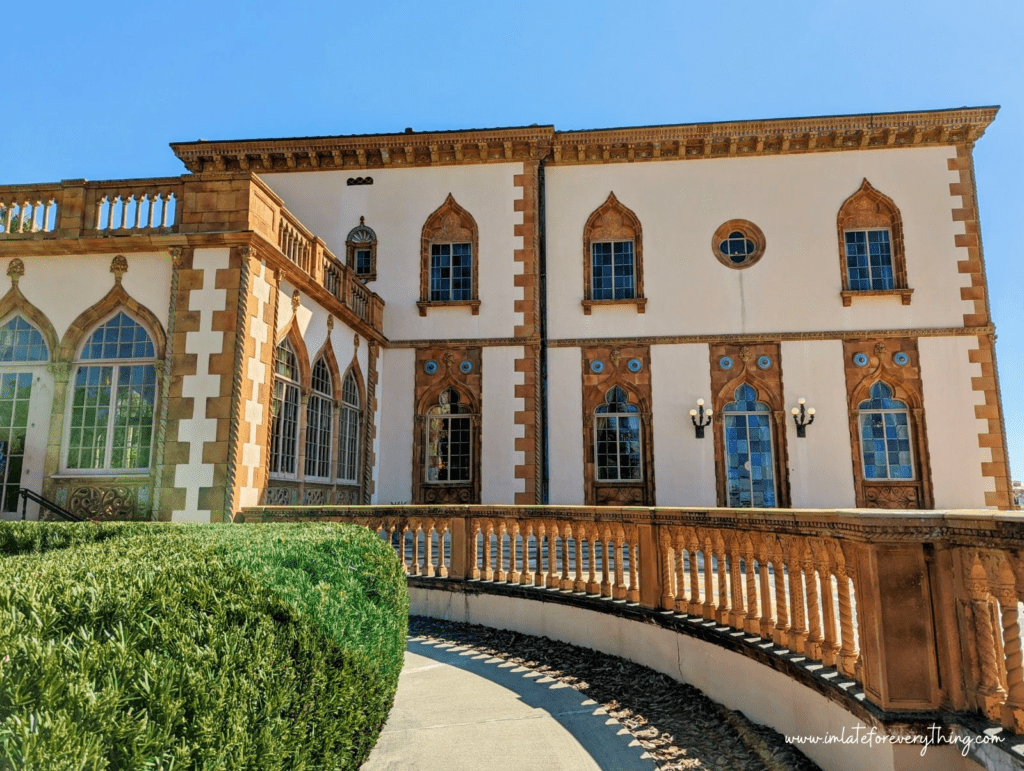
[(774, 313)]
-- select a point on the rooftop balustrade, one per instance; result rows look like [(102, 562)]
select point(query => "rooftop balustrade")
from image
[(190, 204), (919, 609)]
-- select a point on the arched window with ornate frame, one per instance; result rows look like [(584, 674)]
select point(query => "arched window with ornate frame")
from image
[(872, 259), (618, 451), (349, 422), (449, 259), (112, 412), (285, 414), (361, 251), (320, 423), (613, 257), (749, 451), (888, 434)]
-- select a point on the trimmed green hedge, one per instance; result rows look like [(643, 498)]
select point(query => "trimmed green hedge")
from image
[(157, 646)]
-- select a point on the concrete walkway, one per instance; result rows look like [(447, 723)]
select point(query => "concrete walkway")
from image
[(458, 710)]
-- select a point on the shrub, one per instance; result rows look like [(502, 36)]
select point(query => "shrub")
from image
[(157, 646)]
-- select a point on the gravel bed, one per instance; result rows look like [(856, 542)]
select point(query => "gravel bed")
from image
[(676, 723)]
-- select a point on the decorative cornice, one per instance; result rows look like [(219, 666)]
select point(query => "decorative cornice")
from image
[(640, 143)]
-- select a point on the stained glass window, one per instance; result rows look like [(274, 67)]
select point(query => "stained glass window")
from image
[(113, 405), (749, 451), (617, 439), (885, 436), (869, 259), (449, 439), (320, 422), (612, 274)]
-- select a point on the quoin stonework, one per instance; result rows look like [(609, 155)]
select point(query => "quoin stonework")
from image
[(510, 316)]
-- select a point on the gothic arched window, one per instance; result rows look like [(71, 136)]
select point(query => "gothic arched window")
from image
[(348, 432), (885, 440), (284, 430), (449, 440), (749, 451), (617, 446), (113, 399), (320, 422)]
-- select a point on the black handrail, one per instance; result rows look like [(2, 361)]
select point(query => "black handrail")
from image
[(28, 495)]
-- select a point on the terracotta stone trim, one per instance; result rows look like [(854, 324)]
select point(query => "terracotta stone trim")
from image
[(531, 443), (486, 342), (351, 247), (370, 422), (849, 295), (450, 224), (611, 221), (998, 468), (768, 337), (14, 303), (907, 386), (869, 209), (768, 384), (239, 306), (117, 298), (428, 388), (615, 145), (637, 385)]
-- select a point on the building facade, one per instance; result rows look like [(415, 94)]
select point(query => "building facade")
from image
[(525, 315)]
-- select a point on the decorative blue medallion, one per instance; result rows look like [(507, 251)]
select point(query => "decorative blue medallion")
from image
[(430, 367), (725, 362), (901, 359), (597, 366), (635, 365), (860, 359), (764, 362), (466, 367)]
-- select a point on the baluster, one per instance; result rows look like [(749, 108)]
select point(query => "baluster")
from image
[(620, 584), (139, 209), (606, 584), (442, 565), (738, 611), (488, 531), (99, 212), (695, 607), (580, 583), (633, 552), (551, 582), (166, 208), (722, 611), (708, 608), (525, 529), (798, 629), (1012, 712), (125, 200), (566, 583), (667, 566), (150, 203), (428, 550), (751, 622), (813, 645), (848, 648), (767, 623), (593, 586), (779, 636), (28, 217), (415, 531), (499, 573), (680, 550), (111, 203), (5, 219)]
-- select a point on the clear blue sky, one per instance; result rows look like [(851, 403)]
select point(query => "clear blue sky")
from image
[(98, 91)]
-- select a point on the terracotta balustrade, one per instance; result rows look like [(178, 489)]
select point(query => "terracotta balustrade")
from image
[(921, 609), (151, 208)]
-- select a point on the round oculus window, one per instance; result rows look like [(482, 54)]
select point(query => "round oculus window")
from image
[(738, 244)]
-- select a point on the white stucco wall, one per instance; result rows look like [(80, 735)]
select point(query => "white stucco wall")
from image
[(63, 286), (397, 385), (312, 321), (952, 427), (820, 464), (396, 206), (565, 427), (794, 200), (499, 432), (684, 465)]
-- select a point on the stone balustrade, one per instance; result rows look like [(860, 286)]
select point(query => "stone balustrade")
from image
[(919, 608), (190, 204)]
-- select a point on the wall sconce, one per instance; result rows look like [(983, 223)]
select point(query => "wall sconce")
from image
[(700, 418), (803, 417)]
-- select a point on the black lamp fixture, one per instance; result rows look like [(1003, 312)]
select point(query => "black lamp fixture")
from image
[(700, 418), (803, 417)]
